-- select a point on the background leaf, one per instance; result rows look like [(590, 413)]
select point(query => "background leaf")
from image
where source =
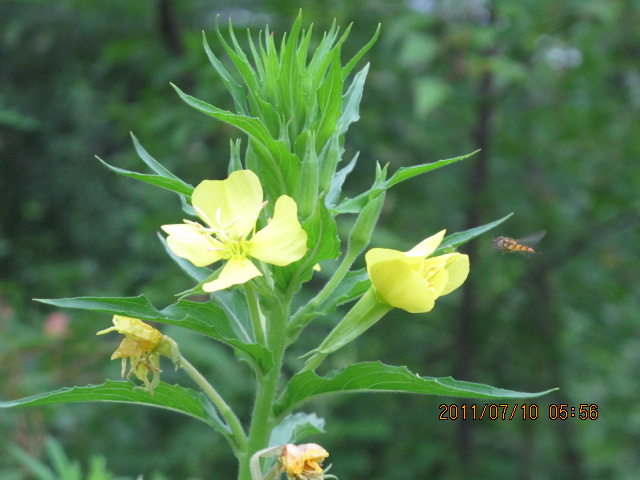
[(295, 427)]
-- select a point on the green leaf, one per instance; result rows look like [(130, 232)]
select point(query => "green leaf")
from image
[(456, 239), (306, 194), (338, 180), (330, 100), (352, 286), (295, 427), (356, 58), (205, 318), (351, 101), (65, 467), (238, 57), (278, 167), (405, 173), (250, 125), (170, 184), (36, 467), (377, 377), (329, 157), (153, 164), (354, 205), (170, 397), (236, 90)]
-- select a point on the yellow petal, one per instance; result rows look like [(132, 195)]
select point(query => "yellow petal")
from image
[(138, 335), (435, 274), (283, 240), (458, 268), (230, 205), (302, 459), (427, 246), (188, 241), (396, 282), (236, 271), (128, 348)]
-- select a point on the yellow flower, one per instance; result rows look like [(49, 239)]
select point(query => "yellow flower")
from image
[(302, 462), (230, 208), (142, 346), (412, 282)]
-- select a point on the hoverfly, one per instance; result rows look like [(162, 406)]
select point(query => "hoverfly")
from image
[(522, 245)]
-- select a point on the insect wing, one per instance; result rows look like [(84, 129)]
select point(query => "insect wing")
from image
[(531, 240)]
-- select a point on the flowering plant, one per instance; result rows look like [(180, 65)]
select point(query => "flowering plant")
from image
[(255, 238)]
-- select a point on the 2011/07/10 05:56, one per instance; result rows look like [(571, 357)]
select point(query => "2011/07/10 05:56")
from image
[(504, 411)]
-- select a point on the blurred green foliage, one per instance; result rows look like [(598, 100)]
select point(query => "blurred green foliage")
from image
[(549, 90)]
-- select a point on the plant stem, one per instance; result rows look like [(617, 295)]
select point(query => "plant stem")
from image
[(299, 320), (362, 316), (262, 420), (238, 438)]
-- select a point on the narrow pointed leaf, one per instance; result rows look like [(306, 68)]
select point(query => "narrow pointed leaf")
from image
[(354, 205), (330, 99), (205, 318), (377, 377), (338, 180), (170, 397), (456, 239), (356, 58), (234, 89), (35, 466), (250, 125), (405, 173), (170, 184), (152, 163), (351, 101), (238, 57), (277, 166)]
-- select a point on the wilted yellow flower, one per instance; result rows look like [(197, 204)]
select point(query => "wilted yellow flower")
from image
[(230, 208), (302, 462), (412, 282), (142, 346)]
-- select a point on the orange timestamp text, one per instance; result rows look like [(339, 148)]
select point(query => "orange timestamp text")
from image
[(524, 411)]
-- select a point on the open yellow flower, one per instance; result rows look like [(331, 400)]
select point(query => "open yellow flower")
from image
[(410, 280), (229, 209), (142, 346), (302, 462)]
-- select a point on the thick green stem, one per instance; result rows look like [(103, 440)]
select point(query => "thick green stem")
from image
[(262, 421), (238, 438)]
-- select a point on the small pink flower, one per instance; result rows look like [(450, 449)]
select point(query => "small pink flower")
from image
[(56, 325)]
